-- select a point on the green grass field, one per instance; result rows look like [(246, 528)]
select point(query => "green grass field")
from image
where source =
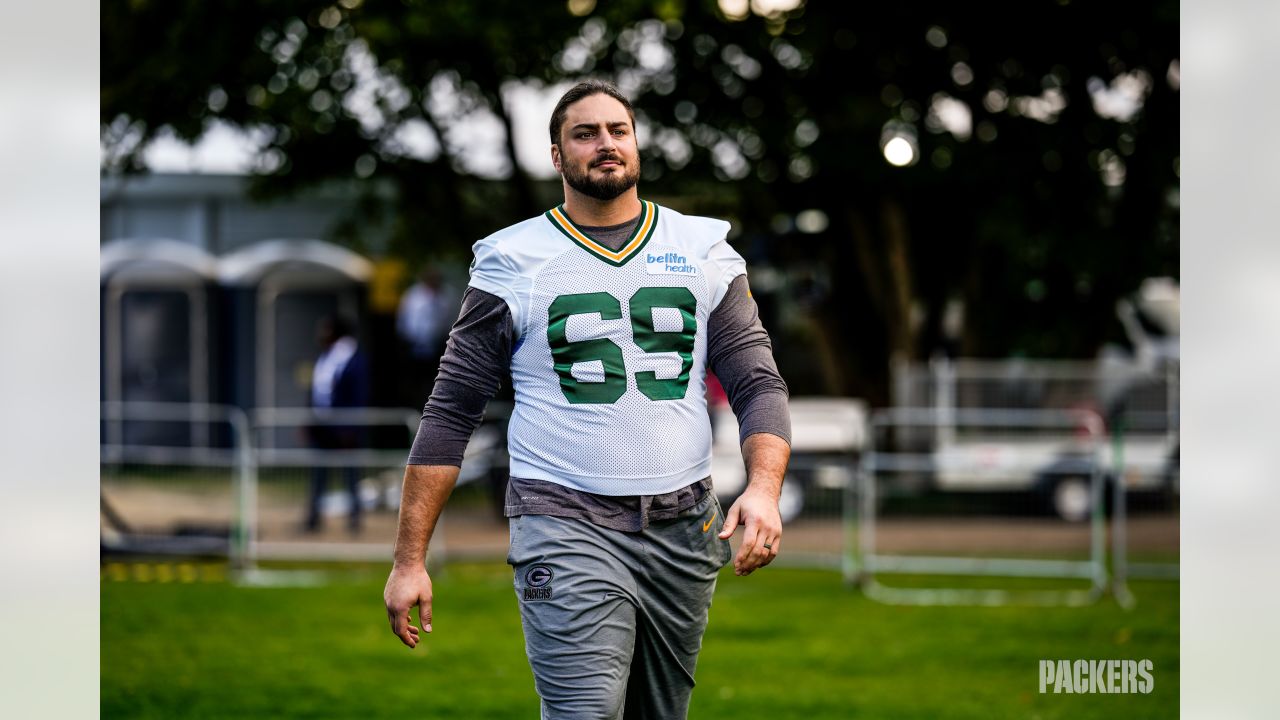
[(784, 643)]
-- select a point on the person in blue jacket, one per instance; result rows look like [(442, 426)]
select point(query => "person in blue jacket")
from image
[(340, 380)]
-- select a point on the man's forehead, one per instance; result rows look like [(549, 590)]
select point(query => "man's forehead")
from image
[(598, 109)]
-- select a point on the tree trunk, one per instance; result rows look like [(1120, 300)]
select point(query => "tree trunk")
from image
[(526, 203), (886, 270)]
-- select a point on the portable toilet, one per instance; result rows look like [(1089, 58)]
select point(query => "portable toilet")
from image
[(157, 309)]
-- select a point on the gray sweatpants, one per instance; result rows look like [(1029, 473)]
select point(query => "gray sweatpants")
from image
[(613, 621)]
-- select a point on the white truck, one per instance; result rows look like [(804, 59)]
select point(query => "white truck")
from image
[(1134, 393), (1057, 468)]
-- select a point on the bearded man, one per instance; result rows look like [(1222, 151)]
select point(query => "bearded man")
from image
[(606, 312)]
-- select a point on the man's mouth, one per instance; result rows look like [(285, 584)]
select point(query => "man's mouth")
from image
[(607, 163)]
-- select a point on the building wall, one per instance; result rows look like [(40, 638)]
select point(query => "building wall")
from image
[(214, 212)]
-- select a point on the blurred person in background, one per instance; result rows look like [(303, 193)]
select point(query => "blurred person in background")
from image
[(607, 313), (340, 379), (422, 320), (717, 401)]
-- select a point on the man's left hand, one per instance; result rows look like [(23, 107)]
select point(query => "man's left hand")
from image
[(757, 509)]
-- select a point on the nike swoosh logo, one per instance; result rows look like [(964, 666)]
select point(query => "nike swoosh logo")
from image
[(707, 525)]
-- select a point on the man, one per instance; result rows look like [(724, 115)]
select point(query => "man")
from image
[(421, 320), (340, 379), (607, 312)]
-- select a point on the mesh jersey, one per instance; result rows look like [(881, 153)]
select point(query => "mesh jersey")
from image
[(609, 361)]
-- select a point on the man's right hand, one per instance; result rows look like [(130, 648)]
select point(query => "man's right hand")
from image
[(406, 587)]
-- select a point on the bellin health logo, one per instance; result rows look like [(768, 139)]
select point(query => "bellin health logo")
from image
[(1096, 676), (669, 262)]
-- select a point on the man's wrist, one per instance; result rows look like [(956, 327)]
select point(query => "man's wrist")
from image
[(415, 561), (771, 486)]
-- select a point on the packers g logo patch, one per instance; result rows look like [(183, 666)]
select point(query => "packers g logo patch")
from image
[(537, 576), (537, 580)]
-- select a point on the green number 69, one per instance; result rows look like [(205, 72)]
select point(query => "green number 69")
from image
[(565, 354)]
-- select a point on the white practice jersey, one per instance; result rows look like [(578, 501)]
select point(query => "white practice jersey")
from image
[(609, 360)]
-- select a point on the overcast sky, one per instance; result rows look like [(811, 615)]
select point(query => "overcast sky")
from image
[(226, 149)]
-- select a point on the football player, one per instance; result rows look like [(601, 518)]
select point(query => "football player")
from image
[(606, 312)]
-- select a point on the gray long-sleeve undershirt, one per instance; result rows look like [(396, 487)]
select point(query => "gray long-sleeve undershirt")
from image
[(477, 358)]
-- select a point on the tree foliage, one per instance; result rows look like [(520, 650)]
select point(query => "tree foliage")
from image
[(1035, 218)]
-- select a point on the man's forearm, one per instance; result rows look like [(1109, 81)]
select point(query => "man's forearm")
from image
[(766, 456), (426, 489)]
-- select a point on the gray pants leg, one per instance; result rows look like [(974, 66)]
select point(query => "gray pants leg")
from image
[(613, 621)]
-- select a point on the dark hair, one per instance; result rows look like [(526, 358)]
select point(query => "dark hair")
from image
[(338, 324), (586, 89)]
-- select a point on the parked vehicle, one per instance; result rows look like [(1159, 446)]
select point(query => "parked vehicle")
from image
[(1058, 468), (826, 435)]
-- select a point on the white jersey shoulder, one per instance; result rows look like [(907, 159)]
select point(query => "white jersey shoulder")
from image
[(707, 240), (505, 263)]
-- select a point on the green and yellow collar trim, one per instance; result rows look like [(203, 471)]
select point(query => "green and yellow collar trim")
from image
[(639, 237)]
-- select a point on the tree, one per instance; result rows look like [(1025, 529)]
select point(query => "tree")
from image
[(1038, 215), (345, 91), (1044, 136)]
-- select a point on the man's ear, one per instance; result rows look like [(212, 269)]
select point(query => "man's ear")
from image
[(555, 157)]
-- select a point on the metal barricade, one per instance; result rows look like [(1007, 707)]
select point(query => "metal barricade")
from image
[(1145, 478), (185, 500), (469, 526), (1139, 402), (242, 493), (826, 435), (296, 469), (963, 450)]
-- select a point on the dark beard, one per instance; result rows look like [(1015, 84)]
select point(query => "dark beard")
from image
[(609, 188)]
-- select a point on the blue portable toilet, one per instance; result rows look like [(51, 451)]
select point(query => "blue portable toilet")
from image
[(158, 344)]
